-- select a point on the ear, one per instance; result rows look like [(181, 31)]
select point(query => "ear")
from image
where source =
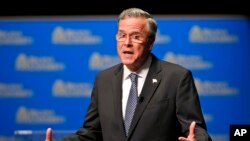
[(150, 47), (150, 44)]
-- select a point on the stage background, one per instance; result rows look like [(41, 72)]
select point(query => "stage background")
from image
[(48, 66)]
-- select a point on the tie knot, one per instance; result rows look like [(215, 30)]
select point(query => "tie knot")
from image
[(133, 77)]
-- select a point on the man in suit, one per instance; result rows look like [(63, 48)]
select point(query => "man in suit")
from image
[(167, 106)]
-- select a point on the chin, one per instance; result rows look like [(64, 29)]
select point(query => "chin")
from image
[(127, 62)]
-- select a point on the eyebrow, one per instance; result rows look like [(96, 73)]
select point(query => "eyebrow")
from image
[(132, 33)]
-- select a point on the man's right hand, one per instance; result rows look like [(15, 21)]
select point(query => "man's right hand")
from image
[(48, 135)]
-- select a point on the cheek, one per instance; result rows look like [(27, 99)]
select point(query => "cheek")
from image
[(142, 50), (118, 48)]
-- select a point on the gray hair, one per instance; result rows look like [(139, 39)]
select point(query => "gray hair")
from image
[(137, 12)]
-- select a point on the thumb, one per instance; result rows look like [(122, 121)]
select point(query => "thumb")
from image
[(191, 129), (48, 135)]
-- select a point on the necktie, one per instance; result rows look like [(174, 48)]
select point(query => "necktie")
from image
[(131, 103)]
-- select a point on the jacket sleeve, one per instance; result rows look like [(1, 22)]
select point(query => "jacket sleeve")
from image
[(91, 130), (188, 108)]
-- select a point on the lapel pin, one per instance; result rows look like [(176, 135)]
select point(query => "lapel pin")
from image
[(154, 80)]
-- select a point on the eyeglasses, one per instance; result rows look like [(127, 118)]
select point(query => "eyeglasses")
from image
[(135, 38)]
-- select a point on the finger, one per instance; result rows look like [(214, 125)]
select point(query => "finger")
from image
[(191, 129), (48, 135), (182, 139)]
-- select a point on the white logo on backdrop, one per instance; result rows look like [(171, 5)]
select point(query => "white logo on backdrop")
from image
[(14, 90), (61, 35), (199, 34), (162, 38), (35, 63), (14, 37), (219, 88), (34, 116), (188, 61), (100, 62), (71, 89)]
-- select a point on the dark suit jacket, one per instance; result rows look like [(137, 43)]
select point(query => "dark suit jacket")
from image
[(164, 112)]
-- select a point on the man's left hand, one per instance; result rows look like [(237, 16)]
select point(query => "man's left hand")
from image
[(191, 135)]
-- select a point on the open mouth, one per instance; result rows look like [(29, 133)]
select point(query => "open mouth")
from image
[(128, 52)]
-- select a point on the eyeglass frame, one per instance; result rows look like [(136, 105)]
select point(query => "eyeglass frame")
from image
[(132, 37)]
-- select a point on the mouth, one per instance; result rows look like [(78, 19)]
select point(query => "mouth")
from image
[(128, 52)]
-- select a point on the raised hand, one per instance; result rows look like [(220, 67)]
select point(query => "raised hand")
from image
[(191, 135), (48, 135)]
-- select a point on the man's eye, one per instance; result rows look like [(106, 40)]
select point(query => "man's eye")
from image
[(122, 35), (136, 37)]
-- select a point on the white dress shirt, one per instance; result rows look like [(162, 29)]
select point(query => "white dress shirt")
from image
[(126, 83)]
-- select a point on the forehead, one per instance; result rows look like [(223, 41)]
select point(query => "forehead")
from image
[(138, 24)]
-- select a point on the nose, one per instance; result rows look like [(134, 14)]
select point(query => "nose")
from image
[(128, 40)]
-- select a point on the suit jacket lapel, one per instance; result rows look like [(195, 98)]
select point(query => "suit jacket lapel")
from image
[(117, 92), (151, 83)]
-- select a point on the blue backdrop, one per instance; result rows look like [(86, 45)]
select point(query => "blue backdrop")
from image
[(48, 66)]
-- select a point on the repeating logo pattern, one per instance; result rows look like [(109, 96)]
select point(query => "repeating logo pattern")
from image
[(48, 67)]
